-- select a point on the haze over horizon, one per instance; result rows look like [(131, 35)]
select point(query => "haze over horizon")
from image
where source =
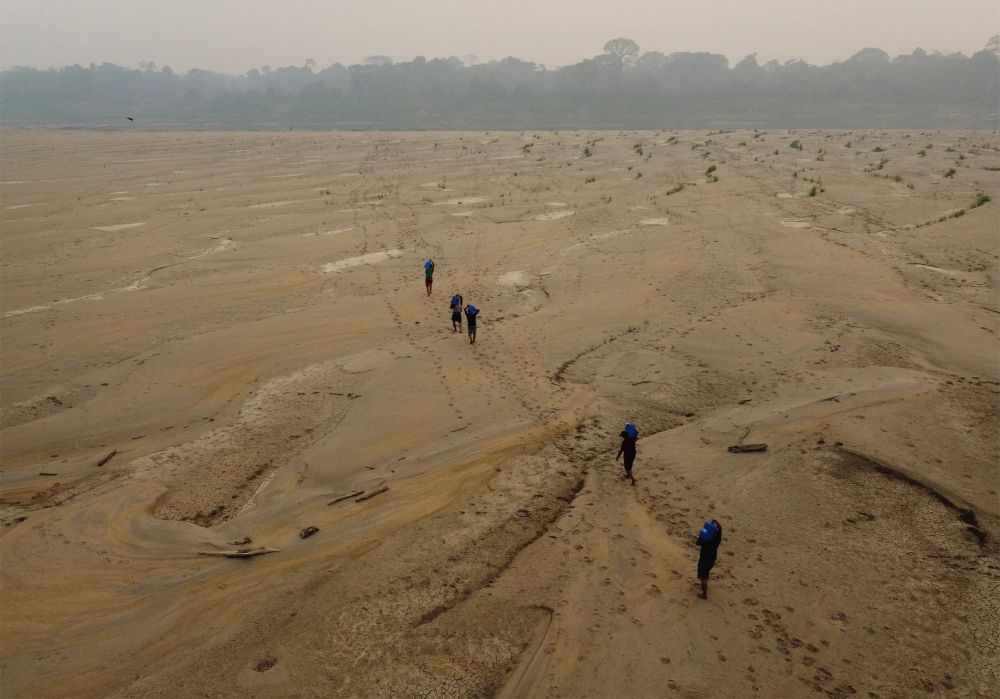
[(234, 36)]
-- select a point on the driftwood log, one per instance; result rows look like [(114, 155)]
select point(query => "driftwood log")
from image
[(741, 448), (371, 494), (348, 496), (107, 458), (240, 553)]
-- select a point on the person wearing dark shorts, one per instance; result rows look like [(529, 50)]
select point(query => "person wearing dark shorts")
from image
[(471, 313), (456, 313), (709, 539), (628, 450)]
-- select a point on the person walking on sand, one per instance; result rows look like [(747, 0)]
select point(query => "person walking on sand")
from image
[(456, 313), (471, 313), (629, 437), (709, 539), (429, 275)]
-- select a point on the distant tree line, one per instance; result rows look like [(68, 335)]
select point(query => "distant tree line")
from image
[(620, 88)]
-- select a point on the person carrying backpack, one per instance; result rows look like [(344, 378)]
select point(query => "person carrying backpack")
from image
[(629, 437), (456, 313), (471, 313), (709, 538), (429, 275)]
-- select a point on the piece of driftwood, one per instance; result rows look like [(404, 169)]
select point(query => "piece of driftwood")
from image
[(741, 448), (240, 553), (744, 434), (107, 458), (47, 473), (348, 496), (307, 532), (371, 494)]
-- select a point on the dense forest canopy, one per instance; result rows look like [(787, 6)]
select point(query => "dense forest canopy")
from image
[(619, 88)]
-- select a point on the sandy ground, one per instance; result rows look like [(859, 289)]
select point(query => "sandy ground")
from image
[(242, 319)]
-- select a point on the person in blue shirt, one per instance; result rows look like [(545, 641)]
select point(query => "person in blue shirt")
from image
[(709, 539)]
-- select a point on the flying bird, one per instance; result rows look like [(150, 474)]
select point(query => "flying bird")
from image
[(130, 118)]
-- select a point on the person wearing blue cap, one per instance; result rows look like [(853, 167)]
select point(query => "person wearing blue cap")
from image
[(471, 313), (429, 275), (709, 539), (629, 437)]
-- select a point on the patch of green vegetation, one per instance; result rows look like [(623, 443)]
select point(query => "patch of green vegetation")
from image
[(710, 170), (980, 200), (796, 144), (590, 179), (586, 152), (679, 187), (950, 173), (922, 153)]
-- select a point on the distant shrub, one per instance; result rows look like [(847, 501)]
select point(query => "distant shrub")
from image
[(589, 180), (795, 144), (679, 187), (813, 191), (950, 173), (710, 170), (586, 152), (980, 200), (878, 149)]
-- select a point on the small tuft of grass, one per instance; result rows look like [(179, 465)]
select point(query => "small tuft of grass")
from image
[(980, 200), (710, 170), (679, 187), (796, 144), (950, 173), (878, 149), (589, 180)]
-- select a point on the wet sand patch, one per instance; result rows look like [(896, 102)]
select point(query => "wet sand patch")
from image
[(553, 215), (368, 259), (664, 221), (118, 227)]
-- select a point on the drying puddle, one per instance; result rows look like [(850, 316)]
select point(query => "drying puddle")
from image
[(334, 232), (273, 204), (23, 206), (655, 222), (796, 224), (553, 215), (463, 200), (370, 258), (517, 278), (939, 270), (119, 227)]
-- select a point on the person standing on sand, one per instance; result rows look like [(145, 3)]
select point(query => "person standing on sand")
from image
[(456, 313), (709, 539), (429, 275), (471, 313), (629, 437)]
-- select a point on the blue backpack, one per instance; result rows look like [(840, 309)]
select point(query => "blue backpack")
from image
[(471, 311), (708, 531), (428, 265), (631, 430), (455, 299)]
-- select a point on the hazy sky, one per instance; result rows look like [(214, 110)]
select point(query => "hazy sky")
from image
[(236, 35)]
